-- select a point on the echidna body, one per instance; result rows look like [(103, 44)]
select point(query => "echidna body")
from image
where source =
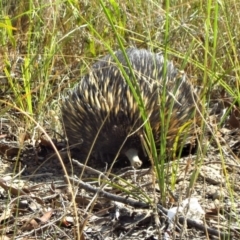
[(102, 115)]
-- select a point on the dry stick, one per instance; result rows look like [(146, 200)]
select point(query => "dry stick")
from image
[(110, 196), (138, 204), (92, 170)]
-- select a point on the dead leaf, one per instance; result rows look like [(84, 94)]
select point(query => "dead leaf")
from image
[(23, 136), (45, 142), (233, 121), (3, 135), (12, 190), (46, 216), (32, 224), (67, 221), (6, 215), (8, 150), (3, 237)]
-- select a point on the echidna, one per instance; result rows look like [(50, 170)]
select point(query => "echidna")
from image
[(101, 113)]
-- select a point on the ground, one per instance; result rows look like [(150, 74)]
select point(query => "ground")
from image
[(37, 192)]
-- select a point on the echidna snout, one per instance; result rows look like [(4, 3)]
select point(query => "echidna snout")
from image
[(103, 112), (132, 155)]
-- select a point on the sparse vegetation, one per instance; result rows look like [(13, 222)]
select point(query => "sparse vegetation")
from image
[(45, 46)]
